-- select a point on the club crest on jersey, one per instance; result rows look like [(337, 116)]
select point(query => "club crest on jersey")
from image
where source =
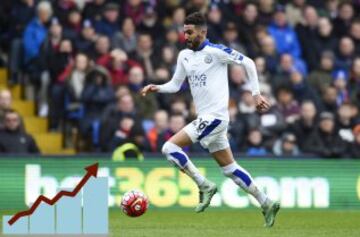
[(208, 59)]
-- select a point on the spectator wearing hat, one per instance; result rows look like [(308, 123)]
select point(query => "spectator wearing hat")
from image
[(110, 20), (321, 78), (284, 35), (85, 42), (286, 146), (325, 140), (150, 24), (125, 39), (354, 149)]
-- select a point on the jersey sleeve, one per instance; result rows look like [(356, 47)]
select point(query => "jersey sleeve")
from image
[(231, 56), (177, 80)]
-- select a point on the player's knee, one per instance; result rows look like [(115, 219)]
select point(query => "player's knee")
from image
[(165, 148), (230, 169), (169, 147), (227, 173)]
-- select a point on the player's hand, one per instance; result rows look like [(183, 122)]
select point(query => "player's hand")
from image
[(262, 104), (149, 88)]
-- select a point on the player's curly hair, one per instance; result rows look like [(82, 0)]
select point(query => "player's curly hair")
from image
[(195, 18)]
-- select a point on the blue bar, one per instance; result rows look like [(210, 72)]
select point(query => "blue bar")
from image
[(42, 221), (21, 226), (68, 214), (95, 209)]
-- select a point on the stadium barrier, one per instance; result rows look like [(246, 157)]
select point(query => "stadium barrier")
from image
[(296, 183)]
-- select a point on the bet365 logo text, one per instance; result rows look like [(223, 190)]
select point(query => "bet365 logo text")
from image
[(167, 187)]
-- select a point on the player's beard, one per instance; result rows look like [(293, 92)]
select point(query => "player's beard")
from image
[(194, 44)]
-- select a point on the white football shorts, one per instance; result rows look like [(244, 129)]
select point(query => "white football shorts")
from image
[(209, 131)]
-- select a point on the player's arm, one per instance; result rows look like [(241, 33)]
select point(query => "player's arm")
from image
[(262, 103), (173, 85)]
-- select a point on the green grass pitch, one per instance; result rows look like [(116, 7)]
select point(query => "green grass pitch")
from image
[(215, 223), (234, 223)]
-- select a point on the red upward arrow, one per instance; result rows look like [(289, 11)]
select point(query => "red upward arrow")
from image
[(91, 171)]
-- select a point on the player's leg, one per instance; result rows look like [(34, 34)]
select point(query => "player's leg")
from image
[(173, 151), (243, 179), (238, 174)]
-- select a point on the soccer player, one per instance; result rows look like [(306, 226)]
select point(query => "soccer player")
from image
[(204, 64)]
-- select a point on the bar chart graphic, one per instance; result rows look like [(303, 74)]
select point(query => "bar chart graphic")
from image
[(83, 210)]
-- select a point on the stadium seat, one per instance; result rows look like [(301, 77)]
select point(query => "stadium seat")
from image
[(3, 76), (25, 108), (49, 143), (34, 125)]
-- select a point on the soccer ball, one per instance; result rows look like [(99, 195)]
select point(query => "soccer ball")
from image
[(134, 203)]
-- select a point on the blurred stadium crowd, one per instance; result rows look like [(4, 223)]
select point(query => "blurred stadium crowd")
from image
[(87, 60)]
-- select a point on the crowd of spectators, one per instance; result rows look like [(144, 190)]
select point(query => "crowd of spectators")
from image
[(87, 61)]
